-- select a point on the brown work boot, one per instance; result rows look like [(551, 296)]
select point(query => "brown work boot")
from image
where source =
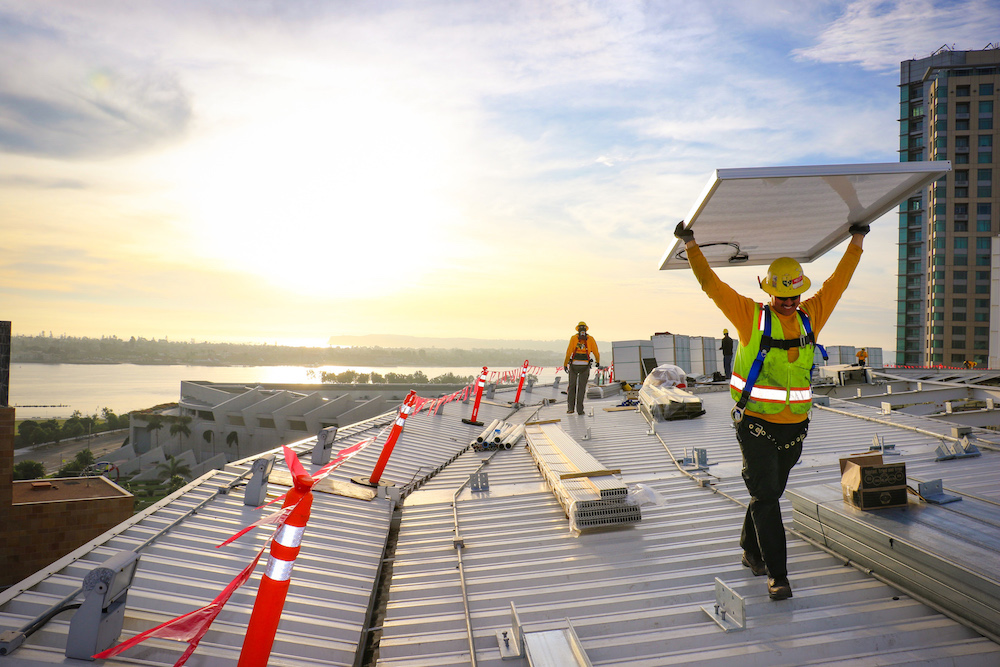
[(778, 589), (755, 563)]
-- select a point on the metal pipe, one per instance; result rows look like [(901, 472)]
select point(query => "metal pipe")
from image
[(505, 430), (486, 431), (940, 436)]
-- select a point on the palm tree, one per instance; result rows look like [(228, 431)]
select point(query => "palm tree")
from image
[(154, 425), (173, 468), (181, 426), (208, 437)]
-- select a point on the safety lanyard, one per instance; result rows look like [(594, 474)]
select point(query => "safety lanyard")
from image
[(739, 410)]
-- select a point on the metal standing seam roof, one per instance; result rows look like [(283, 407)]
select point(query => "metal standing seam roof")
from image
[(325, 618), (633, 593)]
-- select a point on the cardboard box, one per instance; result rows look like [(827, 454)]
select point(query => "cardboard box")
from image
[(862, 460), (868, 483)]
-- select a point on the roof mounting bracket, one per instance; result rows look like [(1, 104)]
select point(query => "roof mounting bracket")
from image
[(479, 481), (933, 492), (729, 610), (559, 647)]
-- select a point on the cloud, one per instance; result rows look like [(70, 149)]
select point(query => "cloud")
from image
[(73, 96), (879, 34)]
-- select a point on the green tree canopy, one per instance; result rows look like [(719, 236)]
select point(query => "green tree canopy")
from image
[(171, 468), (28, 470)]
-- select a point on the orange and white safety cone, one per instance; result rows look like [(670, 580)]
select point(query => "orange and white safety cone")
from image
[(274, 584), (480, 384), (520, 384), (397, 428)]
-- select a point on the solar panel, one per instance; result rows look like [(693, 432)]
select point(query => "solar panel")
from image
[(753, 216)]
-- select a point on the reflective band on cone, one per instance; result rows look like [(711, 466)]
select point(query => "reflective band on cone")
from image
[(390, 442), (524, 372), (479, 395), (277, 577)]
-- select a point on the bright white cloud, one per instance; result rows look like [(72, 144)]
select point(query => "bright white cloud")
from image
[(879, 34)]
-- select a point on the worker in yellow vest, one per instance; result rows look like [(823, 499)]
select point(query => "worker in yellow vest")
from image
[(862, 356), (577, 367), (772, 390)]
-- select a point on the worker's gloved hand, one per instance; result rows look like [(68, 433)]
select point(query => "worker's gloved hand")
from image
[(683, 234), (859, 229), (566, 368)]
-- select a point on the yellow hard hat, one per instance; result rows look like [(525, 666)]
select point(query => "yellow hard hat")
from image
[(581, 324), (785, 278), (725, 331)]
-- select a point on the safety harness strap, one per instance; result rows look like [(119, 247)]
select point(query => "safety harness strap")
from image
[(766, 343)]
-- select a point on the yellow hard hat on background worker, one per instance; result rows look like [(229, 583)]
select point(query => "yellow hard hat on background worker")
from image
[(582, 325), (785, 278)]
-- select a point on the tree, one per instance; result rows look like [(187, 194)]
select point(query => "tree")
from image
[(176, 482), (28, 470), (26, 428), (79, 463), (181, 426), (172, 468), (154, 425), (233, 439), (347, 377)]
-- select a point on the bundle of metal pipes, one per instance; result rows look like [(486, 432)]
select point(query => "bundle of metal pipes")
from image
[(498, 435)]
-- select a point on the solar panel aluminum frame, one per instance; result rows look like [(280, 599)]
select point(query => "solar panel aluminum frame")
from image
[(800, 212)]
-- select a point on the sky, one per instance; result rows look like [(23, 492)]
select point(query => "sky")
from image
[(285, 171)]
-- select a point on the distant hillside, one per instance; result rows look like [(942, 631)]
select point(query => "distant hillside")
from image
[(399, 341), (114, 350)]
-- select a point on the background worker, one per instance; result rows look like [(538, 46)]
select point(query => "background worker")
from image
[(577, 367), (775, 421), (862, 356), (727, 352)]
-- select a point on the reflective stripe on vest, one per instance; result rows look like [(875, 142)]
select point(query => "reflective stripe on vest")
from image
[(761, 392), (768, 395)]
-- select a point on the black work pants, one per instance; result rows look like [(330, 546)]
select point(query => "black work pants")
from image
[(579, 375), (769, 452)]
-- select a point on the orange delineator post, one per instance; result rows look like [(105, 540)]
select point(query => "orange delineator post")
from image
[(480, 384), (390, 442), (520, 385), (274, 584)]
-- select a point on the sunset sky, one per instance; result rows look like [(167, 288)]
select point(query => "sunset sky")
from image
[(288, 171)]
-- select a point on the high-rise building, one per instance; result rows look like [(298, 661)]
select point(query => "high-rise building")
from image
[(947, 233)]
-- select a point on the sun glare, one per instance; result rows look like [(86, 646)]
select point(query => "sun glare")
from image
[(335, 198)]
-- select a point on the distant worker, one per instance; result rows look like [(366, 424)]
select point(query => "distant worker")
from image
[(772, 390), (862, 356), (727, 352), (577, 367), (969, 363)]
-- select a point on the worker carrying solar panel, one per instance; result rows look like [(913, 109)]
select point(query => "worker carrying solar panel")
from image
[(771, 386), (577, 367)]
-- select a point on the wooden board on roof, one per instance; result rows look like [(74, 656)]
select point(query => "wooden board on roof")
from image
[(753, 216)]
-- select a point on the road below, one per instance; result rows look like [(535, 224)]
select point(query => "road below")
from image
[(53, 455)]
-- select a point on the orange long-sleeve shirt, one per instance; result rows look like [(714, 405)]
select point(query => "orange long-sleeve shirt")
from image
[(739, 309), (587, 346)]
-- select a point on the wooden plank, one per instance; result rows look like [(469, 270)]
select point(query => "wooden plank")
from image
[(590, 473)]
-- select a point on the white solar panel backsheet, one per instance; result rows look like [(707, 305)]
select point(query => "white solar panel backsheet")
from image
[(753, 216)]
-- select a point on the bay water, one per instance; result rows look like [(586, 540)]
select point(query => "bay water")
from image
[(46, 391)]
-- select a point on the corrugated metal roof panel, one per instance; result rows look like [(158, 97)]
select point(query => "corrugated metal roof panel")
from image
[(634, 594)]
